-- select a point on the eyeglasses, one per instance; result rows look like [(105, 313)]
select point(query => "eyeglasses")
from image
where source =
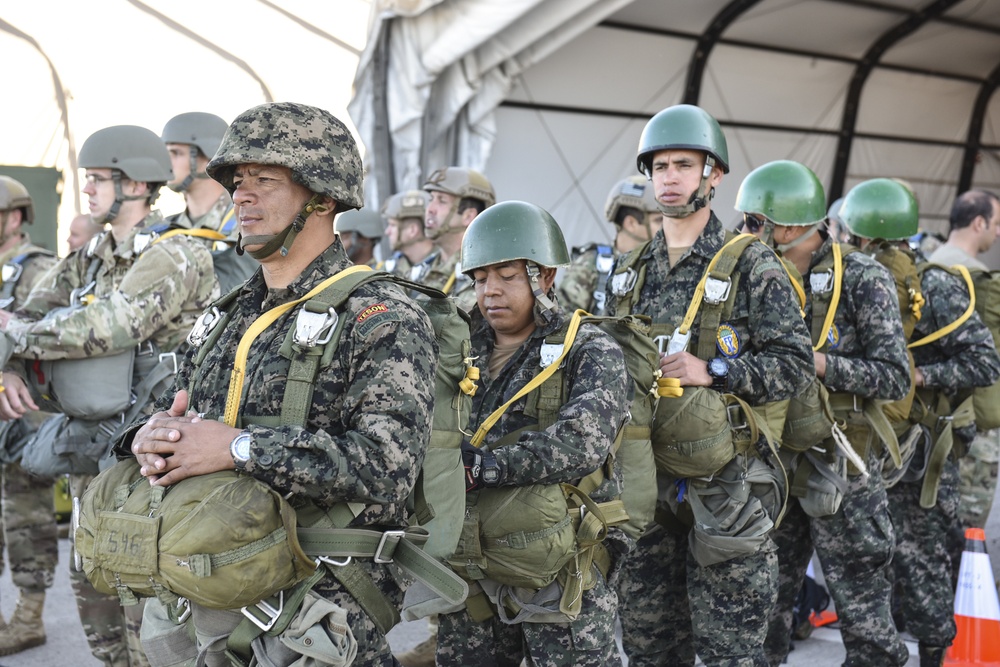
[(97, 179), (752, 222)]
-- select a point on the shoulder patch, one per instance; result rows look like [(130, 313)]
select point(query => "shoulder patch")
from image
[(374, 316)]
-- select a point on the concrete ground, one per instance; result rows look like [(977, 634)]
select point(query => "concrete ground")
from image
[(67, 645)]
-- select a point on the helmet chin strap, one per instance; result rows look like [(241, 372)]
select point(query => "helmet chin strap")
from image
[(282, 239), (785, 247), (193, 172), (545, 304), (699, 198), (120, 197), (447, 225)]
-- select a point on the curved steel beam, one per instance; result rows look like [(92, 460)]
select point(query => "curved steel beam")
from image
[(63, 108), (302, 23), (868, 62), (974, 138), (706, 42)]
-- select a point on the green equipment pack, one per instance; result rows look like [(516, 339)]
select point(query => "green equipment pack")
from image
[(697, 430), (986, 400), (530, 536), (438, 500)]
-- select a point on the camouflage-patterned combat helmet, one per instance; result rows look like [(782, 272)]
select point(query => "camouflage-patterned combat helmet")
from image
[(403, 205), (682, 127), (880, 208), (365, 221), (14, 195), (513, 230), (784, 192), (462, 182), (203, 130), (632, 192), (315, 145), (134, 151)]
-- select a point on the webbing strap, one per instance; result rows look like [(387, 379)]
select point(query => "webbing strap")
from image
[(831, 309), (198, 233), (235, 393), (947, 329), (796, 285), (720, 268), (449, 284)]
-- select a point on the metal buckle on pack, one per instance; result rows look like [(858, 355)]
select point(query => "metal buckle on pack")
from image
[(76, 296), (312, 329), (821, 282), (203, 326), (942, 422), (549, 353), (333, 561), (396, 535), (678, 342), (11, 272), (186, 605), (172, 356), (622, 283), (145, 349), (599, 298), (733, 413), (268, 610), (717, 291), (604, 263)]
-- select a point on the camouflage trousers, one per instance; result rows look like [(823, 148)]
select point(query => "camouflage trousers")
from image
[(978, 479), (587, 641), (855, 547), (922, 565), (112, 630), (29, 528), (672, 608)]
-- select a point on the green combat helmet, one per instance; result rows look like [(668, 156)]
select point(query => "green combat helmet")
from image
[(782, 192), (513, 230), (14, 195), (684, 127), (880, 208), (315, 145), (130, 151), (461, 183), (201, 131)]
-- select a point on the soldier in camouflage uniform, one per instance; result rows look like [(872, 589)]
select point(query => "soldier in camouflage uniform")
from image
[(632, 209), (404, 227), (673, 606), (975, 224), (192, 140), (143, 293), (457, 196), (510, 252), (28, 512), (862, 356), (291, 169), (360, 231), (82, 228)]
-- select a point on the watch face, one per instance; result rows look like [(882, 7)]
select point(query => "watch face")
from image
[(491, 475), (718, 367), (241, 447)]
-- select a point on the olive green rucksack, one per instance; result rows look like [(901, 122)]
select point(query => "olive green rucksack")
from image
[(986, 400)]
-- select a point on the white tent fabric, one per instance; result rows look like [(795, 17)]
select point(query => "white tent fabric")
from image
[(550, 103)]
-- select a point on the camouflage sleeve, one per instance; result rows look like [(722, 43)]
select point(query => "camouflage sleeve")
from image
[(53, 289), (577, 284), (34, 270), (152, 293), (371, 449), (964, 358), (580, 440), (779, 363), (881, 369)]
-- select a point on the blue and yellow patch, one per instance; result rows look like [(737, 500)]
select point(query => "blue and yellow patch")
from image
[(833, 338), (374, 316), (728, 341)]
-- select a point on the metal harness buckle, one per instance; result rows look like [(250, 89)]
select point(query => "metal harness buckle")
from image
[(76, 296), (717, 291), (312, 329), (622, 283), (203, 326), (172, 356), (11, 272), (549, 353), (269, 611), (396, 536), (821, 282)]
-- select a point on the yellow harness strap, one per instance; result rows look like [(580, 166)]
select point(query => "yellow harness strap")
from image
[(831, 311), (200, 233), (448, 285), (238, 375), (799, 292), (945, 330), (699, 291), (546, 373)]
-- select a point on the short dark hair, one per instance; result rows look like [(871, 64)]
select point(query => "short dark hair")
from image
[(471, 202), (625, 211), (970, 205)]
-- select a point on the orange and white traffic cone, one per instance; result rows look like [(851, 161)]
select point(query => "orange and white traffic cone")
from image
[(977, 608)]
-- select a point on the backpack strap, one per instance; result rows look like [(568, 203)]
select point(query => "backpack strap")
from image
[(713, 293), (604, 262), (11, 274), (948, 328), (627, 281)]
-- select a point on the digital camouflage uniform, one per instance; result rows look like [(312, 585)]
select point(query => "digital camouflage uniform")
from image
[(672, 608), (154, 296), (855, 544), (29, 523), (231, 268), (978, 468), (368, 424), (579, 442), (581, 280), (922, 565), (398, 265), (438, 274)]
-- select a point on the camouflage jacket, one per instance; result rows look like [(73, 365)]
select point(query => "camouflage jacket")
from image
[(141, 294), (580, 280), (965, 357), (37, 261), (219, 218), (866, 346), (440, 272), (231, 268), (370, 417), (767, 343)]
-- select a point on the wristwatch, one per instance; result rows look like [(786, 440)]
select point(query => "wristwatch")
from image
[(491, 469), (239, 449), (718, 369)]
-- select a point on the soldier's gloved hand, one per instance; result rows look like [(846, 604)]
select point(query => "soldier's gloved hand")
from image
[(481, 468)]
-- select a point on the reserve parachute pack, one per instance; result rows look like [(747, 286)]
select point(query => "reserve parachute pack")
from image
[(531, 536), (698, 430), (127, 532), (986, 400)]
